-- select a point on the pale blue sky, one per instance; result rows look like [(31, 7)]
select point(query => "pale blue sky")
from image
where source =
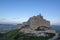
[(15, 11)]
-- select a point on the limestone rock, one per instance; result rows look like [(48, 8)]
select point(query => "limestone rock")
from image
[(34, 24)]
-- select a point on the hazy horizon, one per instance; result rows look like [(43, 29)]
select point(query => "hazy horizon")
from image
[(17, 11)]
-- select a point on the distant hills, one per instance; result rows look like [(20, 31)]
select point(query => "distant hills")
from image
[(7, 27), (7, 24), (56, 27)]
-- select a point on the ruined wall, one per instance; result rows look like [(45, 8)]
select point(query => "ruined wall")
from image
[(37, 21), (33, 23)]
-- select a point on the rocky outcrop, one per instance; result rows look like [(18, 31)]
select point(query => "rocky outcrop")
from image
[(36, 24), (37, 21)]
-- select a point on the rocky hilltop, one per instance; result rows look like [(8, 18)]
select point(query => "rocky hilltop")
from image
[(36, 28), (36, 25)]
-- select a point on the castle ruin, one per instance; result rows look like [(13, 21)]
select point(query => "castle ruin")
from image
[(35, 23)]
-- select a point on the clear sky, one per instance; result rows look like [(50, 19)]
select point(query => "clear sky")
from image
[(17, 11)]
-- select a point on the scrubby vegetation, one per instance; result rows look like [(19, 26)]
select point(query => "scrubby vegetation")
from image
[(58, 37), (16, 35), (2, 36), (11, 35)]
